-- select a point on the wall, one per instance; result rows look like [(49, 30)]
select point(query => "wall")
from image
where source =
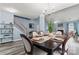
[(26, 22), (6, 17), (42, 22), (16, 34), (67, 14), (36, 22)]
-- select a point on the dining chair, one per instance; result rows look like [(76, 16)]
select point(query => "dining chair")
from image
[(35, 34), (42, 33), (62, 31), (70, 45), (61, 48), (59, 32), (65, 45), (30, 34), (29, 48), (64, 50)]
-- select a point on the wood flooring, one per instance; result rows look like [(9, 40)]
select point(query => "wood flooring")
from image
[(12, 48)]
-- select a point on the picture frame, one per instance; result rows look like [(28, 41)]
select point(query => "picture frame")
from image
[(31, 25)]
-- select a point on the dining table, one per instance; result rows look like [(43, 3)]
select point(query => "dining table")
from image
[(47, 41)]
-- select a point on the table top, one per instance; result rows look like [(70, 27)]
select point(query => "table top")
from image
[(43, 39)]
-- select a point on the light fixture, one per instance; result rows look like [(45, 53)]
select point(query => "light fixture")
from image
[(12, 10), (56, 21)]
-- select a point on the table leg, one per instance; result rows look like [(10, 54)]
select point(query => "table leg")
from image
[(63, 49), (50, 52)]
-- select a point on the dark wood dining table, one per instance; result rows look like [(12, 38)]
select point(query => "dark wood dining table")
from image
[(47, 42)]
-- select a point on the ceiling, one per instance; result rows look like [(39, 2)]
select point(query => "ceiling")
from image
[(33, 10)]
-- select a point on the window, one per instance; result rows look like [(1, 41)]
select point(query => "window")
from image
[(71, 27), (60, 25)]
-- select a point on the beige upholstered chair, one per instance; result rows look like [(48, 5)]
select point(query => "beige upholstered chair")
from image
[(41, 33), (35, 34), (58, 33), (30, 48), (27, 44), (62, 48)]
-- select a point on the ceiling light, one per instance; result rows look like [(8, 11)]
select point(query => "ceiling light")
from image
[(12, 10)]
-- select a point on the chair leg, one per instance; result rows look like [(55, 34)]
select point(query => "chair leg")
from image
[(63, 49)]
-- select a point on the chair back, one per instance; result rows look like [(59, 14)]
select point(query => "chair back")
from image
[(69, 40), (58, 33), (61, 32), (35, 34), (28, 46), (64, 44), (41, 33)]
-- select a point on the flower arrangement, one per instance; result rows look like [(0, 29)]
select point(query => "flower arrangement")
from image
[(50, 26)]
